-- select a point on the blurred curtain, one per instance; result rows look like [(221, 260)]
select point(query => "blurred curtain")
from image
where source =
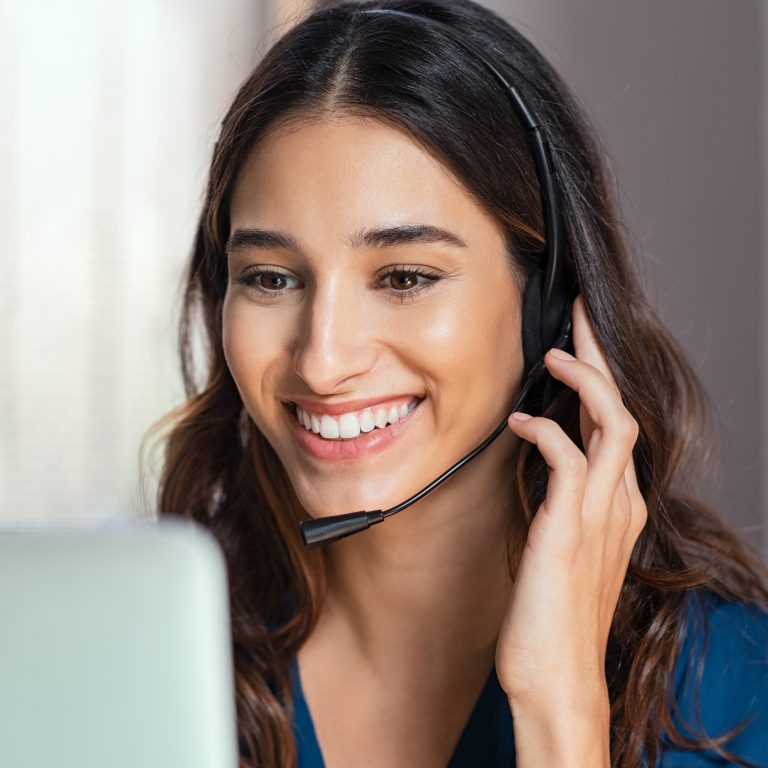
[(109, 111)]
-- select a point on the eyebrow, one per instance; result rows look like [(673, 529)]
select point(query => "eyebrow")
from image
[(404, 234)]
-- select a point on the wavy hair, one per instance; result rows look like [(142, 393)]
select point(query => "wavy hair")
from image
[(219, 470)]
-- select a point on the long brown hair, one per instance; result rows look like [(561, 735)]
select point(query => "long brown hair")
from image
[(219, 470)]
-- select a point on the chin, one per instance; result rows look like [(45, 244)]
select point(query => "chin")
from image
[(342, 500)]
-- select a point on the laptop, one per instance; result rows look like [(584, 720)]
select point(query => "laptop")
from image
[(115, 648)]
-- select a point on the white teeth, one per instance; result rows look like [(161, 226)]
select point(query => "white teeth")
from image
[(349, 426), (329, 427), (367, 424)]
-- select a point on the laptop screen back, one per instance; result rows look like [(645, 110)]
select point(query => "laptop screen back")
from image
[(115, 649)]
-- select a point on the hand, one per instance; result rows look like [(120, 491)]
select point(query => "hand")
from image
[(553, 638)]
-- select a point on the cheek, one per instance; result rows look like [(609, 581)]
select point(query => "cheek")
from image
[(233, 342), (249, 351), (477, 344)]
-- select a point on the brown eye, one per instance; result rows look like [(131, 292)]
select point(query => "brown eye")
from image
[(403, 281), (268, 282), (273, 281)]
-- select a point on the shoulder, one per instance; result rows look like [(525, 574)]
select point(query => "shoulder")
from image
[(721, 677), (729, 639)]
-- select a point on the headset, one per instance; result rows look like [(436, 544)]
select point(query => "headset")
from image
[(547, 302)]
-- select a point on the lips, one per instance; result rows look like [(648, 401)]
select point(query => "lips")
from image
[(339, 448)]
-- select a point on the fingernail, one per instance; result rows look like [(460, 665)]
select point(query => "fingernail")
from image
[(560, 354), (520, 416)]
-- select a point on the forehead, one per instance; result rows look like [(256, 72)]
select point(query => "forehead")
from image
[(346, 172)]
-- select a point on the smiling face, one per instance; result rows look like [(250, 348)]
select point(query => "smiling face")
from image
[(370, 299)]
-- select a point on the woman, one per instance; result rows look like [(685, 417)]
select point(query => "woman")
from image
[(363, 275)]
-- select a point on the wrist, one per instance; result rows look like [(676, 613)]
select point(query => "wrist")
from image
[(562, 731)]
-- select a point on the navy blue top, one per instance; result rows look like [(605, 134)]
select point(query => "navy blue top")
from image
[(734, 687)]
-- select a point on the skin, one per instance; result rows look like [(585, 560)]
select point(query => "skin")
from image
[(419, 607)]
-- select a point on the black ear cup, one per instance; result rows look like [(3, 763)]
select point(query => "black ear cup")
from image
[(534, 344), (533, 349)]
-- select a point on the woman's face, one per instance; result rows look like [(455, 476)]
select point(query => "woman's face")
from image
[(370, 298)]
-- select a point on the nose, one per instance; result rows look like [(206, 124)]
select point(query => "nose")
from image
[(335, 342)]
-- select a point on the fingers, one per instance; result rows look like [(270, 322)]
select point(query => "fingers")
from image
[(588, 350), (609, 446), (567, 464), (586, 345), (606, 475)]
